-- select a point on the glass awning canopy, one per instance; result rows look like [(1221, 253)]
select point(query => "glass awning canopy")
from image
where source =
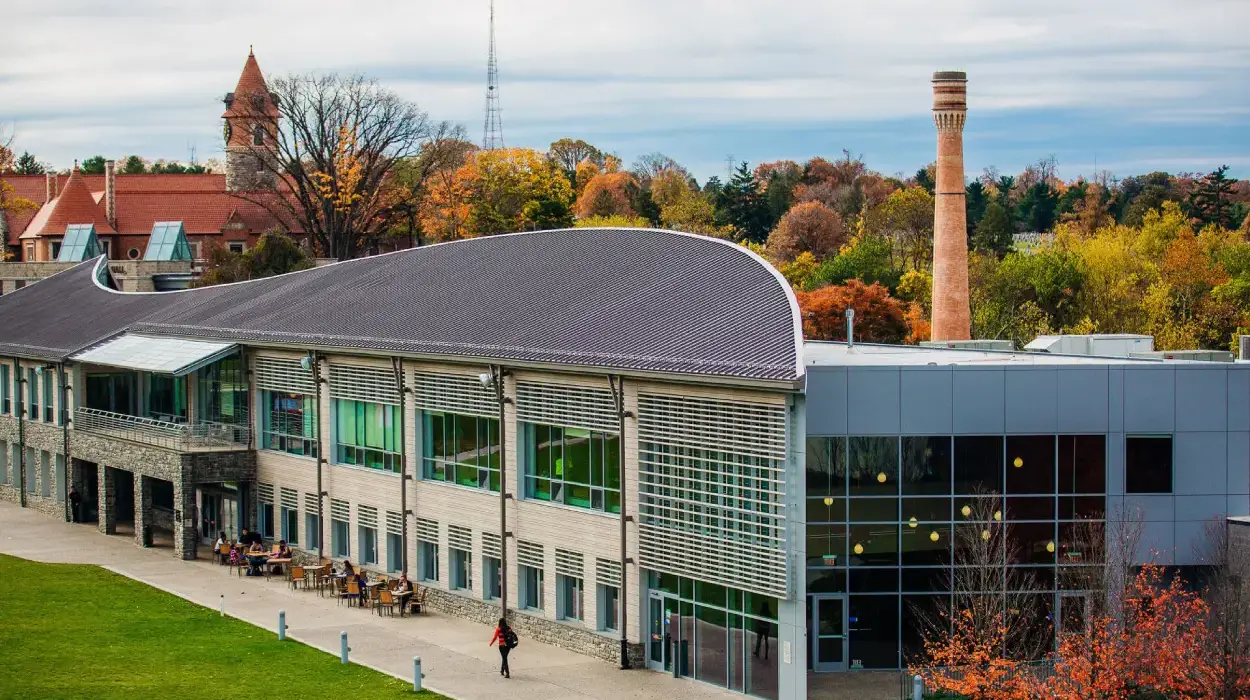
[(174, 356)]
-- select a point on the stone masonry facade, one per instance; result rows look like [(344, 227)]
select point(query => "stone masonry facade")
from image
[(116, 459), (566, 636)]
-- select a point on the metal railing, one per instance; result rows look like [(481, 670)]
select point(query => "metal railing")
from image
[(200, 435)]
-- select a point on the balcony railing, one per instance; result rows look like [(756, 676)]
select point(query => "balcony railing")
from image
[(184, 437)]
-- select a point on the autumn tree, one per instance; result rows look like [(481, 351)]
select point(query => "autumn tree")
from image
[(414, 179), (809, 227), (608, 194), (878, 316), (514, 189), (906, 218), (612, 221), (333, 143)]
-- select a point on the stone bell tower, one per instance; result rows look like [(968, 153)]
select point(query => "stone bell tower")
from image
[(951, 312), (249, 130)]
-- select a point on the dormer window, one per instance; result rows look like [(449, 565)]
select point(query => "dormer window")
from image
[(258, 136)]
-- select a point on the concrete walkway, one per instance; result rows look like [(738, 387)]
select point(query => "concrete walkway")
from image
[(454, 652)]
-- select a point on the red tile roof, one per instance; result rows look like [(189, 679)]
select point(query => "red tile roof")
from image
[(75, 205), (201, 202)]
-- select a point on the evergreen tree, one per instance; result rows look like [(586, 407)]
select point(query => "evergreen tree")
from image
[(740, 205), (27, 165), (133, 165), (924, 180), (92, 166), (1211, 201), (975, 202), (994, 231), (1039, 207)]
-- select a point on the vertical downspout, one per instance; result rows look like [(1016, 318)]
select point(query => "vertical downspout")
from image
[(618, 395), (497, 374), (321, 451), (20, 411), (397, 364), (65, 390)]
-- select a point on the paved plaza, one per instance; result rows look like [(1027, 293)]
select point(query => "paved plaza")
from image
[(454, 652)]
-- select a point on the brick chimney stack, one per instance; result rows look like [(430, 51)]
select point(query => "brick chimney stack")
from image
[(110, 193), (51, 188), (951, 313)]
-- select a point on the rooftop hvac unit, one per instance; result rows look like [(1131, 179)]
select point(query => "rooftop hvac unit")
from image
[(1105, 345), (1190, 355)]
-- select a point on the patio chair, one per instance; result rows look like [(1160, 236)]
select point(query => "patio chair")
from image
[(223, 554), (296, 575), (419, 598), (375, 593), (350, 593), (385, 600)]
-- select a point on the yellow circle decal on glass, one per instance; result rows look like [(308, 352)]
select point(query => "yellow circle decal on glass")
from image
[(859, 548), (934, 536), (1019, 462)]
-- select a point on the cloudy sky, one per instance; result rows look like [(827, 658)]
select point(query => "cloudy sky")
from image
[(1132, 85)]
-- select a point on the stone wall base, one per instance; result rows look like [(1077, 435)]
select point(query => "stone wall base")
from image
[(538, 629)]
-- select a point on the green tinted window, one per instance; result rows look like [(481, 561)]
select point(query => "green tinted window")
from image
[(168, 242), (80, 243)]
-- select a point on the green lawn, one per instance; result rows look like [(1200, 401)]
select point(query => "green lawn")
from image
[(69, 631)]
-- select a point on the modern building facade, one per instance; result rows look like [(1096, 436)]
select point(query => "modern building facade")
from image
[(618, 436)]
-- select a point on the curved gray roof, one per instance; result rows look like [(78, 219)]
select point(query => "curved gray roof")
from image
[(623, 299)]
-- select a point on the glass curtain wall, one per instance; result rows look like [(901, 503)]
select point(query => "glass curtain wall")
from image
[(884, 514), (461, 449), (724, 636), (166, 397), (221, 394)]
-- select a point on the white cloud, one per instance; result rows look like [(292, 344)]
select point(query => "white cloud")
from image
[(80, 77)]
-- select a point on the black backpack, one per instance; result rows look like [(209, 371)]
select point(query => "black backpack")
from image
[(510, 639)]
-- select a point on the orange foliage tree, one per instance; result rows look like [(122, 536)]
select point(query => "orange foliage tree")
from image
[(1155, 641), (607, 194), (878, 316)]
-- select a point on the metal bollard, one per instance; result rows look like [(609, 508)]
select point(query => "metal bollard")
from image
[(343, 648), (223, 605), (917, 688), (281, 625), (416, 674)]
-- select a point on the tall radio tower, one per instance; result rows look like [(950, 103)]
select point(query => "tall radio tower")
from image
[(492, 133)]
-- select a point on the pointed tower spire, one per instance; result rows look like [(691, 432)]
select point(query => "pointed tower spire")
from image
[(251, 125), (492, 133)]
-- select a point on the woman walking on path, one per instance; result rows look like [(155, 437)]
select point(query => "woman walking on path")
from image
[(507, 640)]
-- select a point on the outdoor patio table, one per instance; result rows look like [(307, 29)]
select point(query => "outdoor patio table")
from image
[(255, 562), (402, 598)]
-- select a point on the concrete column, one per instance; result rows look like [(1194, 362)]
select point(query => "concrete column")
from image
[(143, 510), (185, 533), (108, 500), (250, 496)]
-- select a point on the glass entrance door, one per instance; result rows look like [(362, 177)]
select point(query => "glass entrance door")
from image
[(828, 633), (664, 628), (210, 509)]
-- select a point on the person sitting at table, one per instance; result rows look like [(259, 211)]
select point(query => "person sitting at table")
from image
[(403, 585), (256, 549), (283, 551), (217, 548), (236, 555)]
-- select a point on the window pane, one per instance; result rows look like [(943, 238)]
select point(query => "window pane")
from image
[(926, 465), (873, 632), (874, 545), (1148, 464), (873, 466), (1031, 464), (1082, 464), (978, 464), (826, 467)]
